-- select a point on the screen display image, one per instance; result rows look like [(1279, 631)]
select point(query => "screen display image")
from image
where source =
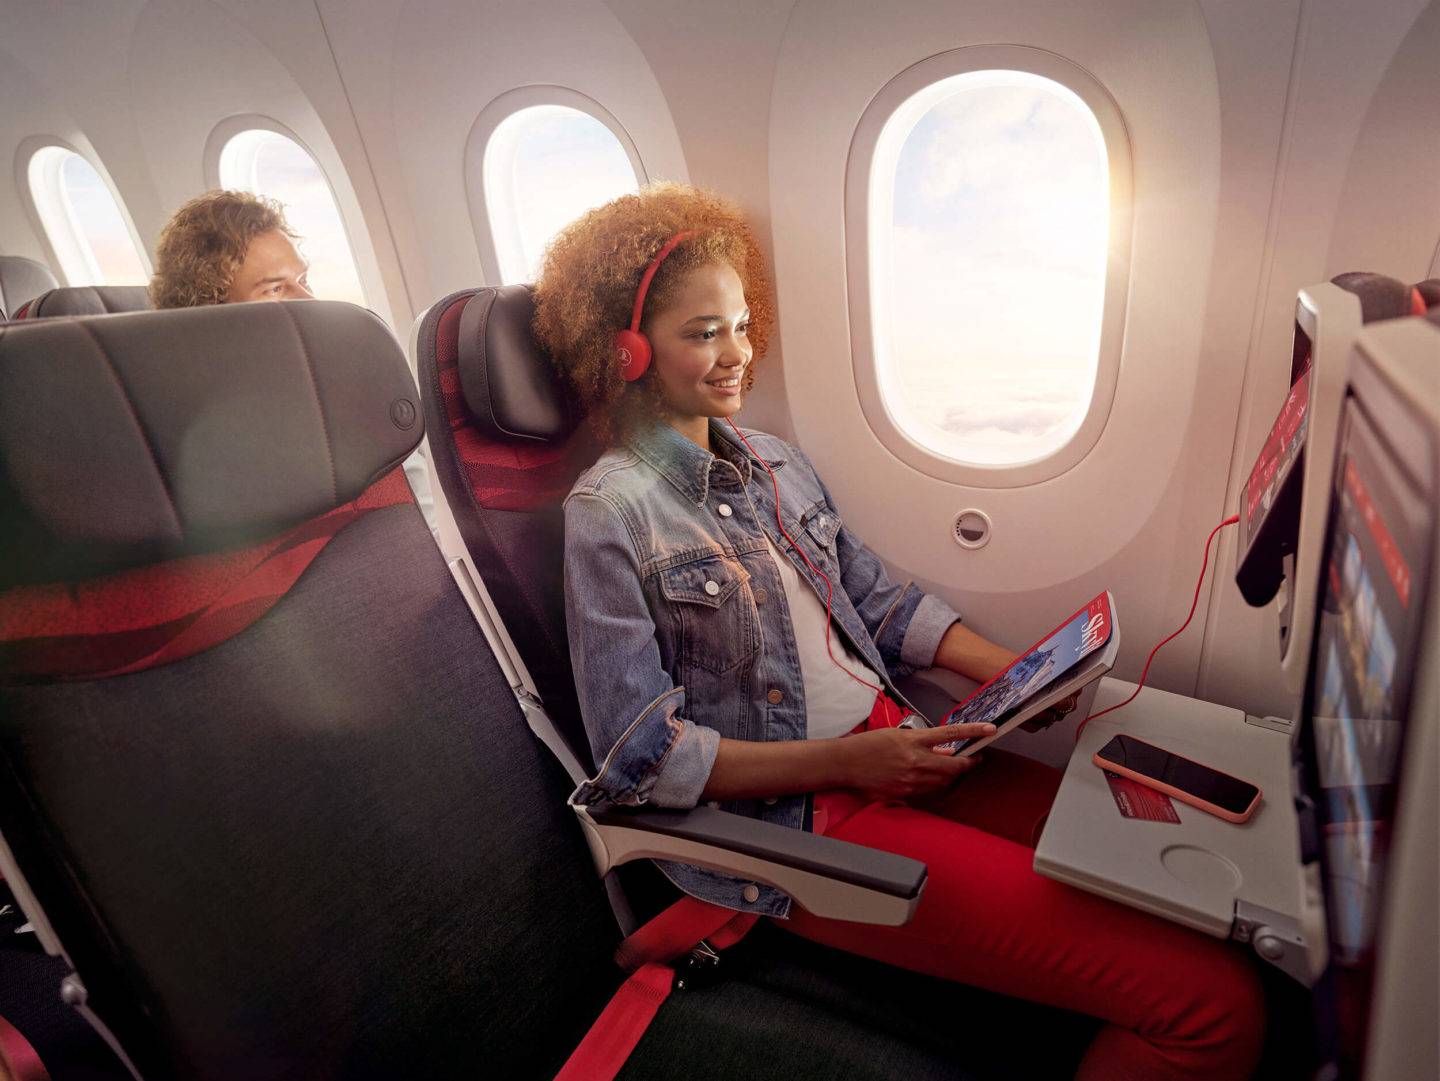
[(1357, 703), (1277, 456), (1224, 791)]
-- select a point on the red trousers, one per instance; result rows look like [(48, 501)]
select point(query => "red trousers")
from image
[(1178, 1004)]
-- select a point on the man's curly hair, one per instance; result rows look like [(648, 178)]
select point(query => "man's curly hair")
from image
[(203, 245), (593, 268)]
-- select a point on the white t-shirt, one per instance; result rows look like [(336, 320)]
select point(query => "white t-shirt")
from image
[(834, 703)]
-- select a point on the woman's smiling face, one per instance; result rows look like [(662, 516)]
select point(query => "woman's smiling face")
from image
[(700, 349)]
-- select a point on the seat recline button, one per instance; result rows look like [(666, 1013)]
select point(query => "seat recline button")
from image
[(775, 697), (751, 894), (712, 587), (724, 509)]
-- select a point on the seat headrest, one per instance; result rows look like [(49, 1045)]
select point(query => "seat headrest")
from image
[(509, 384), (130, 439), (89, 300), (22, 279), (1381, 297)]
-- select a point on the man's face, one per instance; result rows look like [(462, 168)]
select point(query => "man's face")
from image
[(272, 270)]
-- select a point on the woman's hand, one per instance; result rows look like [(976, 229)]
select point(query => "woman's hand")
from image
[(898, 763)]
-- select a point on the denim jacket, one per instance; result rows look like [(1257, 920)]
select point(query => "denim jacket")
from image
[(679, 629)]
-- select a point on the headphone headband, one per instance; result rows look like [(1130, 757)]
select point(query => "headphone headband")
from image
[(669, 246)]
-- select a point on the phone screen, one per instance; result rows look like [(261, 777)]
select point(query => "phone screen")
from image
[(1226, 792)]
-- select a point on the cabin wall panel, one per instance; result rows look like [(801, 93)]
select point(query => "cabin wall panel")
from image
[(1129, 515), (1342, 53), (419, 80), (715, 64), (1389, 215), (30, 110)]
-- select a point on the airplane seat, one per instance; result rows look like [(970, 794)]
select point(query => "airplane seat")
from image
[(264, 785), (21, 280), (1381, 297), (507, 444), (1429, 291), (86, 300)]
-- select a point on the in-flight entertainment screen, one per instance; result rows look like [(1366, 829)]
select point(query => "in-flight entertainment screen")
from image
[(1361, 674)]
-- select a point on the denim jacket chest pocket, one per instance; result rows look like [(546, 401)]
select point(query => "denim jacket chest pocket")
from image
[(821, 526), (717, 629)]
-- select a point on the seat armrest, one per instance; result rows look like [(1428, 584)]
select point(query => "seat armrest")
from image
[(826, 877)]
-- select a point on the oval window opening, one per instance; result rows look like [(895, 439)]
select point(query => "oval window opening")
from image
[(267, 163), (84, 223), (544, 166), (989, 231)]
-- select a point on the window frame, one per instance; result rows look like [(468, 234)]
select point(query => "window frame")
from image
[(860, 274), (477, 142), (230, 127), (70, 254)]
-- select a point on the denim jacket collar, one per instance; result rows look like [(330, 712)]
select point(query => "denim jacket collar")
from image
[(687, 465)]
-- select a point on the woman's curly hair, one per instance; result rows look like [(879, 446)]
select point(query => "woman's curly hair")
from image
[(203, 245), (593, 268)]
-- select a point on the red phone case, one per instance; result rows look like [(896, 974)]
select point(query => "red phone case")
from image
[(1180, 794)]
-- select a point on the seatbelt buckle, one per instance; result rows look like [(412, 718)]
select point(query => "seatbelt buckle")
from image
[(699, 968)]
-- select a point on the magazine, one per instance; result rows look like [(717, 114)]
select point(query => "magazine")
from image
[(1078, 651)]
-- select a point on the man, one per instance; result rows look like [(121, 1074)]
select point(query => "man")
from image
[(227, 247), (224, 247)]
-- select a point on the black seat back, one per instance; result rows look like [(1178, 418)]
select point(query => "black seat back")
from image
[(256, 761), (507, 443)]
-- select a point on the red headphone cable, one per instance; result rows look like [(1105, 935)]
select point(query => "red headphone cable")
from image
[(829, 588), (1193, 603)]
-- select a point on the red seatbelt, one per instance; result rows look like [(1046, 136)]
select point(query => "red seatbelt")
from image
[(18, 1057), (648, 955)]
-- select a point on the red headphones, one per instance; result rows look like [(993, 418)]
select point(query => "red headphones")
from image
[(632, 347)]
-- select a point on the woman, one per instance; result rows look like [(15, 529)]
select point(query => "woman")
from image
[(700, 561)]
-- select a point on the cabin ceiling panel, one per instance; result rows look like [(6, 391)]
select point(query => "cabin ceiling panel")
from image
[(1116, 519)]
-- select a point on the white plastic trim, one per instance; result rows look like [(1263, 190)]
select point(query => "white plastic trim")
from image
[(863, 240), (38, 161), (487, 229)]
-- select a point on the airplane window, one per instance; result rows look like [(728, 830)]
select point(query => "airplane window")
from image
[(267, 163), (83, 222), (989, 212), (545, 165)]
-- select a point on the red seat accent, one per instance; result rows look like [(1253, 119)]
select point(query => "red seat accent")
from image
[(18, 1059), (149, 616), (523, 475)]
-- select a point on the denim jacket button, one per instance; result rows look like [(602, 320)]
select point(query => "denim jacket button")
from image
[(760, 595), (724, 509), (712, 588), (775, 697), (751, 894), (770, 801)]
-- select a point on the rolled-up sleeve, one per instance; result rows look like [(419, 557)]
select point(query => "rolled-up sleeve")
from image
[(906, 622), (648, 752)]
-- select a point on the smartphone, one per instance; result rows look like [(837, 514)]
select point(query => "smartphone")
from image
[(1188, 781)]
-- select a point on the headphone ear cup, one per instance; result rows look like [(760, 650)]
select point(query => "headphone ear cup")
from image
[(634, 354)]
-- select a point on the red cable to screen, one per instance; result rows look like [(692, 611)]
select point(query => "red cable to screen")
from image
[(1205, 563)]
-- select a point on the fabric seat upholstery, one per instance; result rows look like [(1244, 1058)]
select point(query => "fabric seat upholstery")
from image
[(85, 300)]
